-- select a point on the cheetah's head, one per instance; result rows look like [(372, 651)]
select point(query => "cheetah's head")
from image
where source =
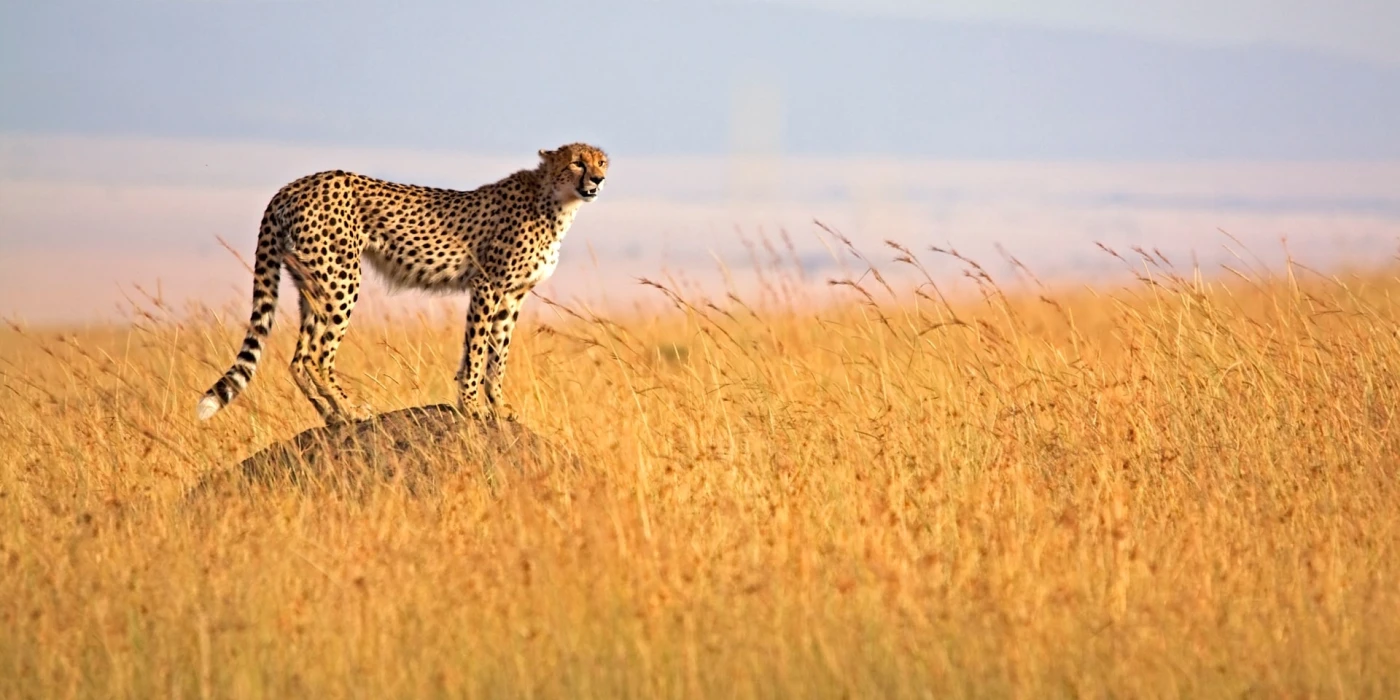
[(575, 172)]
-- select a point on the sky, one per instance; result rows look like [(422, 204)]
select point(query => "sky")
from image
[(1363, 28), (655, 78), (137, 134)]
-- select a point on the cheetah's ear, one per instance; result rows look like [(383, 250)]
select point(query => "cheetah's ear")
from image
[(545, 153)]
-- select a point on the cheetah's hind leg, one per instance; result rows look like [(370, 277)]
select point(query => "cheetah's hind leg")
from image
[(313, 363)]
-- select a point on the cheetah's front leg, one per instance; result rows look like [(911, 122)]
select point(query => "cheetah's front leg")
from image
[(472, 370), (498, 351)]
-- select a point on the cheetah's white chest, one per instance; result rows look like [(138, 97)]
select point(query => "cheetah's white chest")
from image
[(547, 259), (545, 264)]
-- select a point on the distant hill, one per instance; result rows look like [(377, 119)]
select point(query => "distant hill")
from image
[(659, 77)]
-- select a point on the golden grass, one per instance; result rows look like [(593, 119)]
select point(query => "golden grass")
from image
[(1171, 488)]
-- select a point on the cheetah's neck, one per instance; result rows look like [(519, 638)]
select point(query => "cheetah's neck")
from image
[(566, 213)]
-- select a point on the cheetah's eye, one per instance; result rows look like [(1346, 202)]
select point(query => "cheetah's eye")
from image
[(578, 164)]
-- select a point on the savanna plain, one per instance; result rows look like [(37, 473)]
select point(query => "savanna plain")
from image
[(1184, 484)]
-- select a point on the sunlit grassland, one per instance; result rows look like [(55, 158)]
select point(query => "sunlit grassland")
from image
[(1180, 485)]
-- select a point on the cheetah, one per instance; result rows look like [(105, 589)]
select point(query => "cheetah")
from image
[(494, 243)]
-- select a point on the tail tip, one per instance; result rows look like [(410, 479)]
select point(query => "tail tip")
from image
[(208, 406)]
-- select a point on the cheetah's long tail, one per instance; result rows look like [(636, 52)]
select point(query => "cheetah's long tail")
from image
[(267, 273)]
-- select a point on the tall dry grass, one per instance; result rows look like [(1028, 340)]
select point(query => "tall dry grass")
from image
[(1177, 487)]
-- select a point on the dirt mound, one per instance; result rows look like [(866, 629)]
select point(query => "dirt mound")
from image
[(414, 445)]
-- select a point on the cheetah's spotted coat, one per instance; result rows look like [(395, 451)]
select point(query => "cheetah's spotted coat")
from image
[(495, 243)]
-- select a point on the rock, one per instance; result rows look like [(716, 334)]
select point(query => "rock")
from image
[(415, 445)]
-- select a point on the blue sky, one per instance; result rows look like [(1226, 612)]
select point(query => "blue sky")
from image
[(1170, 80), (1362, 28)]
